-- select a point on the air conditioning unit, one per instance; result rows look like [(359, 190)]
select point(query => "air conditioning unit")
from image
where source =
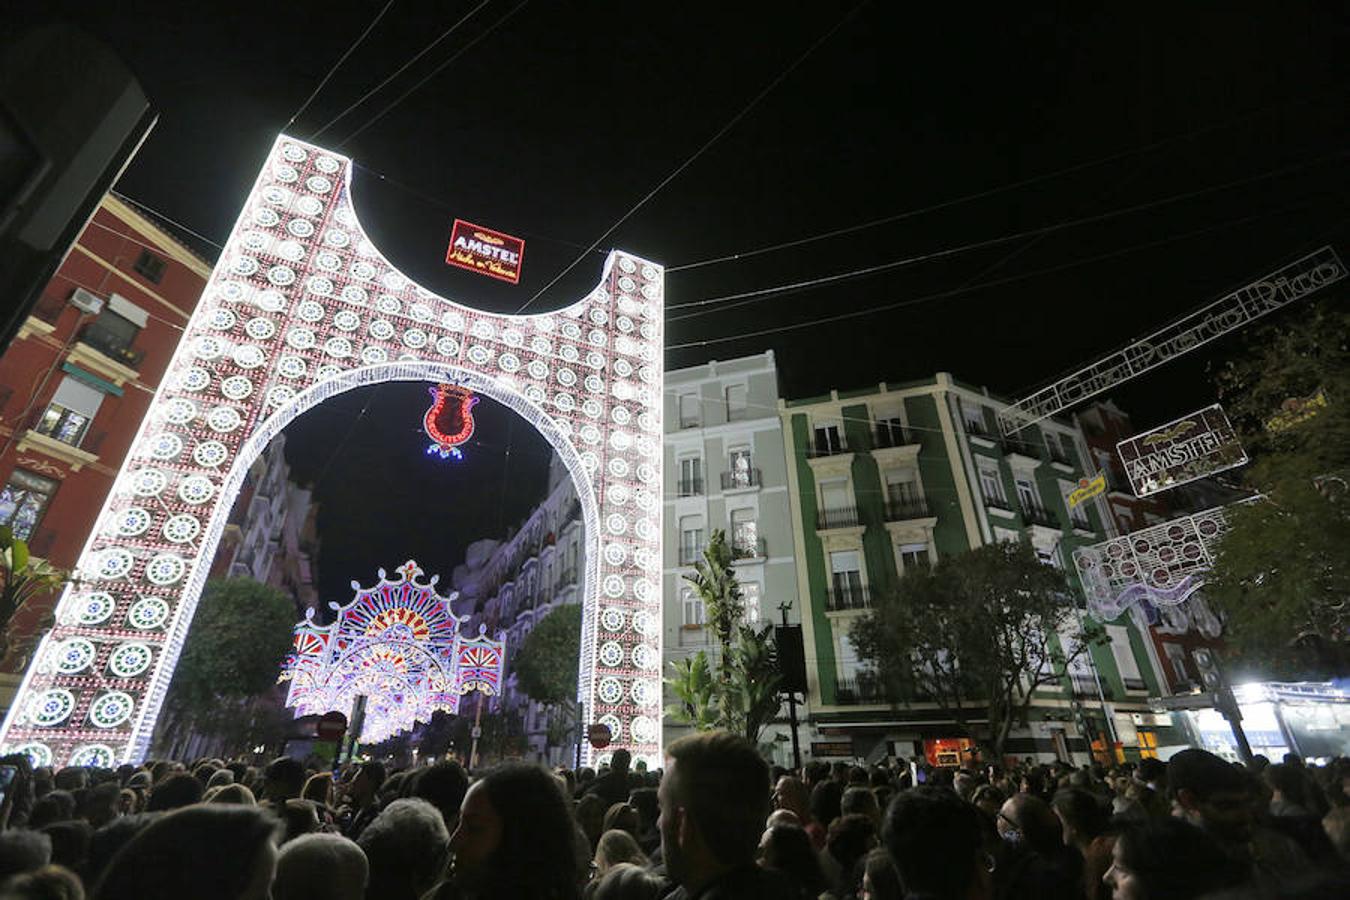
[(86, 301)]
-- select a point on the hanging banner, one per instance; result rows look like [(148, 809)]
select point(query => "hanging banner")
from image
[(1087, 489), (1296, 410), (485, 251), (1181, 451)]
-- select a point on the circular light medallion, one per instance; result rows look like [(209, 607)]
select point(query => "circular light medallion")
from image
[(148, 613), (38, 753), (111, 709), (95, 608), (644, 730), (181, 528), (132, 521), (130, 660), (51, 707), (114, 563), (165, 568), (645, 657), (610, 690), (166, 446), (209, 454), (611, 654), (612, 619), (73, 655), (196, 489), (97, 755)]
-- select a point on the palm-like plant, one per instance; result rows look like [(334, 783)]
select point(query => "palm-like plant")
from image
[(696, 691), (23, 579), (714, 581)]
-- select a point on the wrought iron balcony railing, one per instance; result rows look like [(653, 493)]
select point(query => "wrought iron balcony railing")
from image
[(842, 599), (1039, 515), (743, 478), (114, 346), (902, 510), (842, 517), (690, 487)]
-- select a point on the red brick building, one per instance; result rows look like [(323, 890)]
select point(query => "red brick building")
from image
[(75, 384)]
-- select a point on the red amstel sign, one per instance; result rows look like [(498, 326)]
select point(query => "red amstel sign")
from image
[(485, 251)]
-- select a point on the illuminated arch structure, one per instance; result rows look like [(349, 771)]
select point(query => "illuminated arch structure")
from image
[(302, 306)]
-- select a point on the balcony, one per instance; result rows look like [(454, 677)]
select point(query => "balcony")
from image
[(903, 510), (1039, 515), (111, 345), (843, 517), (848, 599), (748, 549), (1080, 523), (691, 554), (743, 479), (999, 503), (860, 690), (826, 450), (1058, 457), (1025, 450), (690, 487), (888, 435)]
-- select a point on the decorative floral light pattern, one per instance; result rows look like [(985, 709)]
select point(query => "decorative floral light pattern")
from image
[(561, 371)]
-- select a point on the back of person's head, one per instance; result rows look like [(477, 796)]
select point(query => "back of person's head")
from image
[(936, 842), (1152, 770), (626, 881), (825, 801), (283, 779), (220, 778), (880, 880), (207, 852), (1337, 826), (443, 786), (850, 838), (621, 816), (1171, 859), (300, 817), (617, 846), (48, 883), (175, 792), (787, 848), (375, 774), (233, 793), (318, 787), (406, 845), (70, 843), (1203, 774), (106, 841), (71, 778), (23, 851), (321, 867), (723, 783), (1039, 826), (99, 806), (1082, 813), (537, 849), (1289, 781), (54, 806), (648, 807), (620, 761), (860, 801)]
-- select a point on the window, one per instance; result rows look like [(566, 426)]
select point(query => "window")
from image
[(1070, 454), (1123, 654), (901, 488), (70, 411), (744, 534), (974, 419), (834, 495), (890, 432), (150, 267), (1077, 514), (913, 556), (1176, 657), (691, 476), (23, 501), (740, 471), (1080, 668), (689, 411), (1026, 494), (846, 574), (750, 597), (738, 405), (691, 540), (692, 606), (991, 484), (829, 439), (850, 662)]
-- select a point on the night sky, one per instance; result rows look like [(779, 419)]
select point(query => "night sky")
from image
[(561, 118)]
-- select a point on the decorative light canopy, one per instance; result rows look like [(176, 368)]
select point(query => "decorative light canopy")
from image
[(398, 644), (301, 307)]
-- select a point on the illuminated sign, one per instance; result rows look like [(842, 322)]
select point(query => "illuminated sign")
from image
[(485, 251), (1181, 451), (1296, 410), (1087, 489), (1281, 287)]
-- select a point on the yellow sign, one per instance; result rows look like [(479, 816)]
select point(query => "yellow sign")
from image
[(1087, 489), (1296, 410)]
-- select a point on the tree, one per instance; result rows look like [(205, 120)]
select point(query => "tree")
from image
[(239, 637), (978, 634), (738, 690), (546, 669), (22, 579), (1281, 575)]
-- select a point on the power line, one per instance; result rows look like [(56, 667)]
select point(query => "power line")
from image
[(979, 195), (913, 301), (434, 72), (731, 301), (171, 221), (697, 153), (401, 69), (343, 58)]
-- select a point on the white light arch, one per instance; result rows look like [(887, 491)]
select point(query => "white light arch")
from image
[(302, 306)]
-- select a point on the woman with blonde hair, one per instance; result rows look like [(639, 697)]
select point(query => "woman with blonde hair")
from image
[(617, 846)]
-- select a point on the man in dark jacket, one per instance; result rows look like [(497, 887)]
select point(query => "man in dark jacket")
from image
[(613, 786), (714, 802)]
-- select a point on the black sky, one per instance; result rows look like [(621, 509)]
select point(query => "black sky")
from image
[(554, 124)]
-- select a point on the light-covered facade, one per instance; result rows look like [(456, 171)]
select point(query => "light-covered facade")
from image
[(725, 467)]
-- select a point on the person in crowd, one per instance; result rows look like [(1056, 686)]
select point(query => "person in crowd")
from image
[(1216, 797), (55, 806), (1084, 820), (648, 808), (613, 786), (988, 799), (860, 801), (880, 881), (206, 851), (220, 778), (443, 786), (100, 803), (70, 843), (407, 846), (515, 838), (283, 779), (714, 800), (1289, 794), (72, 779), (233, 793), (1168, 859), (617, 846), (174, 792), (938, 845), (321, 867), (318, 789), (622, 817), (850, 839), (626, 882), (300, 817), (825, 802), (590, 814), (1034, 862), (1336, 824), (23, 851), (787, 849), (791, 794), (48, 883), (361, 793), (108, 840)]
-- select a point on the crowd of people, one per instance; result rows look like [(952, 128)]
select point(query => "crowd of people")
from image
[(717, 823)]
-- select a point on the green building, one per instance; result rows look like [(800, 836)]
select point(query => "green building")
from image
[(895, 476)]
